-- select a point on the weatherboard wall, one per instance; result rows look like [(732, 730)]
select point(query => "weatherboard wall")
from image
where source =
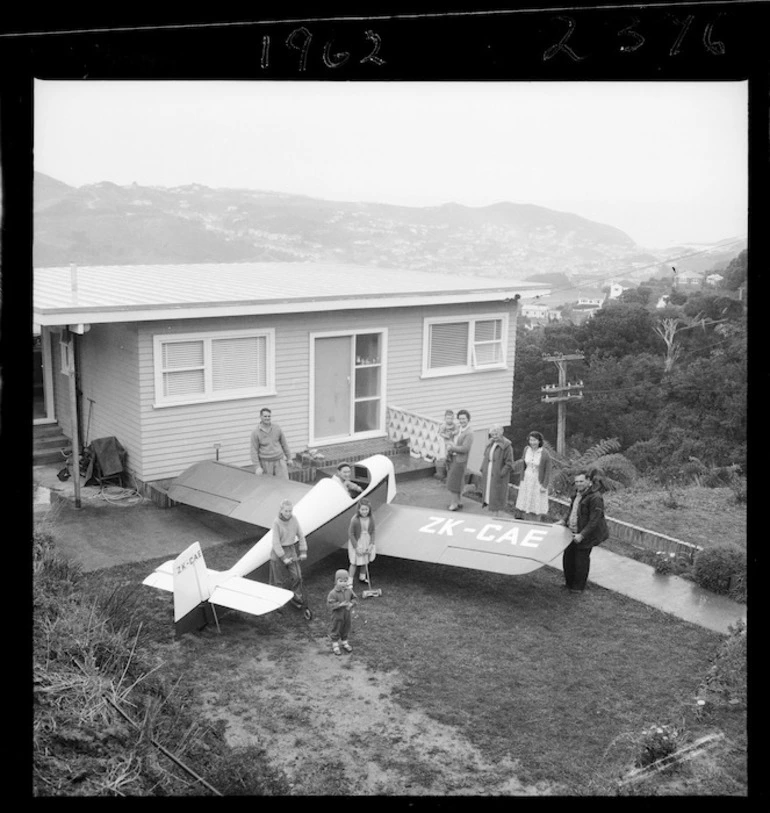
[(109, 376), (163, 441)]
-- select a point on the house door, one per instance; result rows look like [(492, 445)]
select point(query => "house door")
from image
[(332, 387), (42, 378), (348, 389)]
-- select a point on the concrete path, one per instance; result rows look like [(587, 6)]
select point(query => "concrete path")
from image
[(105, 533)]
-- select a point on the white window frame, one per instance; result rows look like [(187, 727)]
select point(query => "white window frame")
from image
[(209, 395), (471, 366)]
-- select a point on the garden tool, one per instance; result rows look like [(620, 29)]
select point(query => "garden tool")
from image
[(370, 593)]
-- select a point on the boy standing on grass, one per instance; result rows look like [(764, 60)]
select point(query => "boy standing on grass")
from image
[(340, 602), (447, 431)]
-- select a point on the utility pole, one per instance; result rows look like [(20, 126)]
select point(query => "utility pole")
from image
[(561, 393)]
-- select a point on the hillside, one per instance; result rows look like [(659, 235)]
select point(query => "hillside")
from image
[(109, 224)]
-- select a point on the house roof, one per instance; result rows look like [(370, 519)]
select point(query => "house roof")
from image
[(131, 293)]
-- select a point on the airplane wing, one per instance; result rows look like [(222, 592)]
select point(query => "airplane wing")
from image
[(474, 541), (234, 492)]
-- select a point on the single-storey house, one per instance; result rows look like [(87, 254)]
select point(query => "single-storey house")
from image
[(176, 361)]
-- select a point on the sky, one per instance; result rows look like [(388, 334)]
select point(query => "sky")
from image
[(666, 162)]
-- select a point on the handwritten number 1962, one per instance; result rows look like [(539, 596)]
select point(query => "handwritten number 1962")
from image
[(299, 40)]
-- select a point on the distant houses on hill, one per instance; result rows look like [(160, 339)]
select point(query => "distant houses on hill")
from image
[(540, 313), (688, 279)]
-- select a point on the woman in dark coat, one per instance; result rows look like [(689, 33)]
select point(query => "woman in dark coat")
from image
[(459, 449), (496, 468)]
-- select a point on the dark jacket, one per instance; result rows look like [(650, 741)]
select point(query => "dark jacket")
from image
[(590, 519)]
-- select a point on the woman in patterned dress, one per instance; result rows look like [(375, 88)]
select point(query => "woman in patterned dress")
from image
[(532, 498)]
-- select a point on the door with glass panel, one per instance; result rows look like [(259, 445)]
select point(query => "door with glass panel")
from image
[(348, 386)]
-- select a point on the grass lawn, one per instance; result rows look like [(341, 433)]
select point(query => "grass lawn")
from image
[(700, 516), (524, 670)]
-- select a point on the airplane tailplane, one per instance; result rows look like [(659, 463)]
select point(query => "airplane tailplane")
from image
[(196, 589)]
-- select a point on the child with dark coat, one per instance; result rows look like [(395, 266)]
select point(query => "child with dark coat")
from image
[(340, 602)]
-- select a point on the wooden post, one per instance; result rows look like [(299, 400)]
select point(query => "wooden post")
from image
[(75, 461), (561, 414)]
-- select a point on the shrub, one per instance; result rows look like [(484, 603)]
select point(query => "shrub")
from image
[(714, 567), (737, 591), (740, 489), (664, 562), (645, 455), (727, 679), (657, 743)]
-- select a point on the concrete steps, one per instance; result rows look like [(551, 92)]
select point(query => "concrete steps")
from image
[(48, 442)]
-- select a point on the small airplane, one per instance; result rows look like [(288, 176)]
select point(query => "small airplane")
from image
[(324, 510)]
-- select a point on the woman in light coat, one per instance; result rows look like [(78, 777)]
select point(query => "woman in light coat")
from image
[(496, 468)]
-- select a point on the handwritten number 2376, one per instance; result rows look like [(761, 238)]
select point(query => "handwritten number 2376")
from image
[(637, 40)]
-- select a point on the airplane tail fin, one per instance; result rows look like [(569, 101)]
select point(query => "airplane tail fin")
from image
[(196, 589)]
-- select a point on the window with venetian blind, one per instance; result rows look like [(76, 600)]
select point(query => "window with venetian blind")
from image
[(200, 367), (462, 345)]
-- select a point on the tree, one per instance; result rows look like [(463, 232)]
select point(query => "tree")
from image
[(713, 307), (531, 373), (677, 297), (667, 330), (636, 296), (621, 398), (617, 330), (737, 272)]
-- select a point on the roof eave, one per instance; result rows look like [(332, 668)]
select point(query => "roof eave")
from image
[(96, 315)]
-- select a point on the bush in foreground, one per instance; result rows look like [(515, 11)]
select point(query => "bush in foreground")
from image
[(720, 567)]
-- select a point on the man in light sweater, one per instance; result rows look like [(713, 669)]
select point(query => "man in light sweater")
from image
[(289, 548), (269, 449)]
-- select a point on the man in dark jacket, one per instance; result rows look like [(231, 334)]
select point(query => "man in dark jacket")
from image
[(586, 521)]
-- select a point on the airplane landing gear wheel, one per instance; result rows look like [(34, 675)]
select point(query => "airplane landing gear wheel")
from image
[(307, 613)]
